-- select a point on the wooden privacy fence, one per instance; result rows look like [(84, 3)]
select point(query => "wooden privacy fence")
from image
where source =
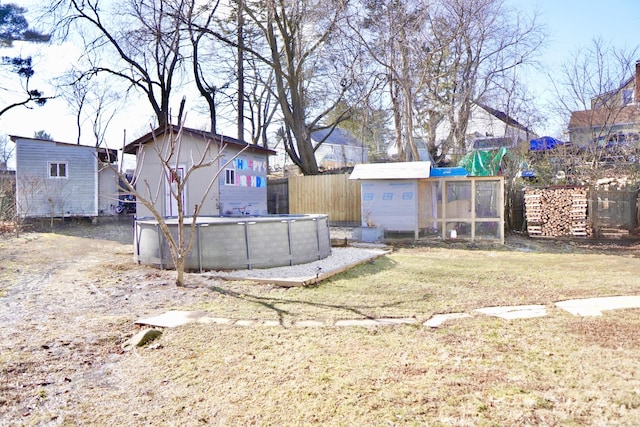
[(334, 195)]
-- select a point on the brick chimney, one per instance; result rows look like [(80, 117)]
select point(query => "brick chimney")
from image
[(637, 84)]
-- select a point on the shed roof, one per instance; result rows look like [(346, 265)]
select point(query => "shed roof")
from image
[(104, 154), (395, 170), (132, 147)]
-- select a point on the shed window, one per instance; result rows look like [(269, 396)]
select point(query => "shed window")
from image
[(57, 170), (229, 177)]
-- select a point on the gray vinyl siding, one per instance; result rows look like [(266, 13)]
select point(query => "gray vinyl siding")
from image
[(40, 195), (152, 180), (107, 191), (247, 196)]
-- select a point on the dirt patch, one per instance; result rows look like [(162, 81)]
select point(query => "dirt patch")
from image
[(68, 304)]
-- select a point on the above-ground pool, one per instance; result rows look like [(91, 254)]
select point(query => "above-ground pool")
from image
[(233, 243)]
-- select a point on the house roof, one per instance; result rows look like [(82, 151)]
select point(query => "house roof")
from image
[(334, 136), (103, 153), (395, 170), (132, 147), (604, 117)]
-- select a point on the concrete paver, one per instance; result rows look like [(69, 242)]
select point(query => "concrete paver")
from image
[(595, 306), (515, 311), (437, 320), (578, 307), (172, 319)]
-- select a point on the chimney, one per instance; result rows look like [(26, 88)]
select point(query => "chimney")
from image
[(637, 84)]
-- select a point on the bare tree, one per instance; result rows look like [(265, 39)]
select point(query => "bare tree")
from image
[(489, 41), (139, 44), (92, 100), (395, 35), (309, 82), (29, 190), (169, 152), (6, 149)]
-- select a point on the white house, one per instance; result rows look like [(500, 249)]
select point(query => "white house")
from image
[(57, 179), (240, 187), (338, 149), (487, 128)]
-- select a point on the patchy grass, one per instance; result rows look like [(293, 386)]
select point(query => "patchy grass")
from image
[(66, 367), (420, 282), (481, 371)]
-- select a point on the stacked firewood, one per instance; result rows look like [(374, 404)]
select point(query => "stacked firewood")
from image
[(557, 211)]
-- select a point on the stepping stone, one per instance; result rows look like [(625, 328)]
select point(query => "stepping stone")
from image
[(376, 322), (397, 321), (216, 320), (245, 322), (437, 320), (595, 306), (515, 311), (172, 319), (357, 322)]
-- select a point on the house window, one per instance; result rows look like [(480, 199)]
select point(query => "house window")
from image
[(627, 96), (57, 170), (229, 177)]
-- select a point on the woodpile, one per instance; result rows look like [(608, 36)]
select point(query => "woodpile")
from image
[(557, 212)]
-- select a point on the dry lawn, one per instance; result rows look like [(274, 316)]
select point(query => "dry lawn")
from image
[(69, 302)]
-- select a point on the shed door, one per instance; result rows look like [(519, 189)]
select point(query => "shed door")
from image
[(171, 188)]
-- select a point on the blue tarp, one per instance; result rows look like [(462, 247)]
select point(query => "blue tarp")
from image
[(544, 143), (458, 171)]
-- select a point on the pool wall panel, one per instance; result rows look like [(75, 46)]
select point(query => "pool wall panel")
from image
[(229, 243)]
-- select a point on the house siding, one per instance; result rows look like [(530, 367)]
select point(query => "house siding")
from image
[(483, 124), (107, 191), (248, 194), (38, 194), (152, 182)]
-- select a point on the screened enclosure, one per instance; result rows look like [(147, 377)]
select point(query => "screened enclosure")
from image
[(469, 208)]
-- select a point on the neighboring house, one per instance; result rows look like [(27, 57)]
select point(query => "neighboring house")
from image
[(57, 179), (487, 128), (613, 120), (421, 146), (338, 149), (239, 189)]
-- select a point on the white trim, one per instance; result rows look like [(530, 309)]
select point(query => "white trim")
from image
[(230, 172), (58, 176), (394, 170), (96, 185)]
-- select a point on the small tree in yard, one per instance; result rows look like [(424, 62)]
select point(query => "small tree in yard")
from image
[(170, 156), (30, 189)]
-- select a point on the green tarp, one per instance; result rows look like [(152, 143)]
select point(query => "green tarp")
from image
[(483, 162)]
